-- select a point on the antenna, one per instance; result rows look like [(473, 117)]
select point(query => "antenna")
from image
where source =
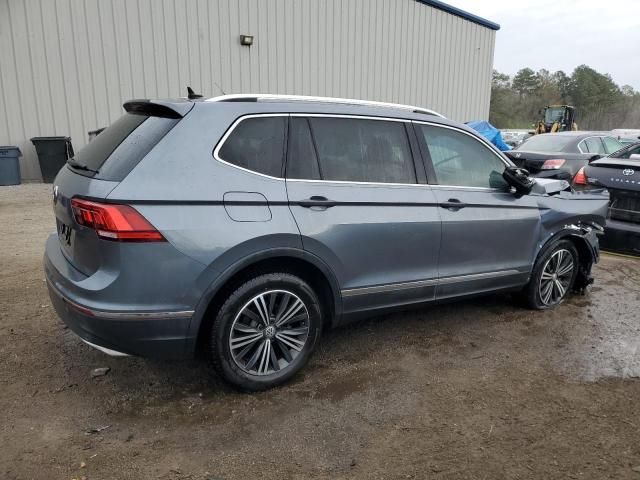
[(191, 95)]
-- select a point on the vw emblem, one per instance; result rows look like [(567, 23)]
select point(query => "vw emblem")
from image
[(55, 194), (628, 171), (270, 331), (518, 155)]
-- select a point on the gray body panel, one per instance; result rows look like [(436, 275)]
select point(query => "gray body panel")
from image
[(378, 246), (375, 235)]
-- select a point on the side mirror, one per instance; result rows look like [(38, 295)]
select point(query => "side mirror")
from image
[(594, 157), (635, 156), (519, 179)]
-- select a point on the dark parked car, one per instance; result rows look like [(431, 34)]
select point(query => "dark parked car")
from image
[(620, 174), (561, 155), (246, 225)]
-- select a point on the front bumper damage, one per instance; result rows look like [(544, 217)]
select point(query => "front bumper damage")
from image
[(589, 251)]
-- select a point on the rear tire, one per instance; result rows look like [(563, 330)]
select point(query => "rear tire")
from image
[(266, 331), (553, 276)]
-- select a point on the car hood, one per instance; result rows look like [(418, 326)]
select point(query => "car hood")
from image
[(619, 173)]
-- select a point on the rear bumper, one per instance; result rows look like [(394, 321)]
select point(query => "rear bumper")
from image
[(116, 331), (621, 236)]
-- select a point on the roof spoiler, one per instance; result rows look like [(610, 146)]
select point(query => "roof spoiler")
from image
[(158, 108)]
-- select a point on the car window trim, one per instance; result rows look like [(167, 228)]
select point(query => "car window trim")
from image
[(421, 158), (429, 163), (238, 120), (361, 117), (601, 137), (234, 125)]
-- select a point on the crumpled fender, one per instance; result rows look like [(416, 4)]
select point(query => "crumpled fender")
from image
[(588, 249)]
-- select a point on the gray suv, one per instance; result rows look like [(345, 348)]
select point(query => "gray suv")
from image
[(243, 226)]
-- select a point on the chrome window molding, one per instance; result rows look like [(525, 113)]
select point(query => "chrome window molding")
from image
[(393, 287), (481, 141), (234, 125), (348, 182), (216, 150), (601, 137)]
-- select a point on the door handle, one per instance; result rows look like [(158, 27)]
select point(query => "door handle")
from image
[(316, 201), (453, 204)]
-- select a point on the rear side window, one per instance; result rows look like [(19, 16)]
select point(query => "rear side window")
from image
[(359, 150), (121, 146), (256, 144), (611, 144), (592, 145), (460, 160)]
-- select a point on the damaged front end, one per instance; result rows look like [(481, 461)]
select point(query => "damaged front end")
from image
[(579, 216), (590, 254)]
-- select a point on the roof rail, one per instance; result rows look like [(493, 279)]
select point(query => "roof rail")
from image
[(258, 97)]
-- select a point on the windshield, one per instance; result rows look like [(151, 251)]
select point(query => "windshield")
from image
[(546, 143), (552, 115)]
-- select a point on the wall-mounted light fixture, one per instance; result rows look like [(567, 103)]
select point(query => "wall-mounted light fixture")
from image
[(246, 40)]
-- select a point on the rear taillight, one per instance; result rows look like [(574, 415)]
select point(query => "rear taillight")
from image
[(120, 223), (553, 163), (581, 178)]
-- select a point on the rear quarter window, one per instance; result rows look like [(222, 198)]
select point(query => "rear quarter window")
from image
[(122, 145), (256, 144)]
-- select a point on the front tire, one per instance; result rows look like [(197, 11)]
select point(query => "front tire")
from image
[(266, 331), (553, 276)]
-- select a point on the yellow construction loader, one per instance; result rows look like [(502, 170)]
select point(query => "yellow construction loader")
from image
[(557, 118)]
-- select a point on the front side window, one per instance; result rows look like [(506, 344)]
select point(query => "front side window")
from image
[(360, 150), (460, 160), (257, 144)]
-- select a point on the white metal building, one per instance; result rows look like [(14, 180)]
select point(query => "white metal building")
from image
[(66, 66)]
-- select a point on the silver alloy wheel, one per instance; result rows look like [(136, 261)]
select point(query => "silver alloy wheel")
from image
[(269, 332), (556, 277)]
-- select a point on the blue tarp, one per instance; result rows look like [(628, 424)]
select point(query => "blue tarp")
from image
[(489, 132)]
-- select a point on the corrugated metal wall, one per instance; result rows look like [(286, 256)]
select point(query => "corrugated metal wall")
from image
[(66, 66)]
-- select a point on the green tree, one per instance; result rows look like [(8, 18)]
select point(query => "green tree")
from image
[(525, 81)]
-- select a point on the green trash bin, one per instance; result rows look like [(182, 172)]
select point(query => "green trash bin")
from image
[(10, 165), (53, 153)]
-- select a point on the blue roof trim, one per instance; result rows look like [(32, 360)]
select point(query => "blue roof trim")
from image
[(461, 13)]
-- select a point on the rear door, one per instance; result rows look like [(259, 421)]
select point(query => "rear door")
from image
[(488, 234), (356, 196)]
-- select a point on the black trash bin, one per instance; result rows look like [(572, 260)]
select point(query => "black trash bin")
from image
[(53, 153), (10, 165)]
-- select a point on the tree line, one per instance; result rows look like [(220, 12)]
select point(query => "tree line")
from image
[(600, 103)]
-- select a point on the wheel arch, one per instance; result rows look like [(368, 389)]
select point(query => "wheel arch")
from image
[(588, 253), (290, 260)]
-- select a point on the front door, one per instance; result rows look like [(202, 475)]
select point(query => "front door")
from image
[(353, 190), (488, 234)]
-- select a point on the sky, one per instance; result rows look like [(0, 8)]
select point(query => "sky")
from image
[(562, 34)]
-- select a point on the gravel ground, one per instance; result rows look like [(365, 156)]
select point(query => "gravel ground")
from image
[(478, 389)]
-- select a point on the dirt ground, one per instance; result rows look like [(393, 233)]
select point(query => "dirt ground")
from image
[(478, 389)]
